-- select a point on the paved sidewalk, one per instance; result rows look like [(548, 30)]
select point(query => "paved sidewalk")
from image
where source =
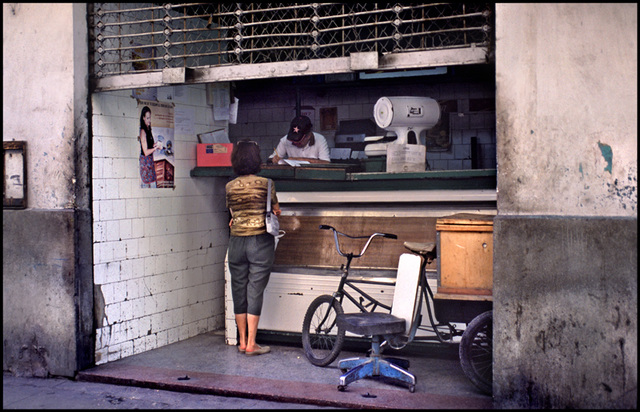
[(64, 393)]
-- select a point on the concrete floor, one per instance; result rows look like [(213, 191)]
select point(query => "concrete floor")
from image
[(205, 364)]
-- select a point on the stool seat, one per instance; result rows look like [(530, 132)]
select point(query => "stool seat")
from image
[(370, 324)]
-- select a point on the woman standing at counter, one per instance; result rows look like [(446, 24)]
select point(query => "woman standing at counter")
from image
[(251, 248)]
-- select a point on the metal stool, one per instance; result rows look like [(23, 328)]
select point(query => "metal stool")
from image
[(384, 326)]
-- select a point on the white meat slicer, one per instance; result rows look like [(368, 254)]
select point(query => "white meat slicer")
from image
[(402, 115)]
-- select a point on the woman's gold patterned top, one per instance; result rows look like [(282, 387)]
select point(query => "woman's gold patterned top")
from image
[(247, 200)]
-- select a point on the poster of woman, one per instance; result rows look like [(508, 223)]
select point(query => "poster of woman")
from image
[(155, 137)]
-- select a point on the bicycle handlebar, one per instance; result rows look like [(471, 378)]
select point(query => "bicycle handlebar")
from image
[(366, 246)]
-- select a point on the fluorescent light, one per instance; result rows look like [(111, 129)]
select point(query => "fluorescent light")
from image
[(406, 73)]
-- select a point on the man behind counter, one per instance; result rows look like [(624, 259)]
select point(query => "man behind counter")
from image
[(302, 144)]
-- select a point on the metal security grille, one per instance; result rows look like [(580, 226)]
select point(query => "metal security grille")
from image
[(128, 38)]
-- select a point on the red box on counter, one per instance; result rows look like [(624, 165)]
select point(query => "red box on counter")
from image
[(214, 154)]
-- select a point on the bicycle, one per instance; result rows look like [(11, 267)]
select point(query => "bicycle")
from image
[(322, 340)]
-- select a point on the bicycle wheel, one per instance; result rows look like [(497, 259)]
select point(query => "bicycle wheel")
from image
[(321, 338), (476, 352)]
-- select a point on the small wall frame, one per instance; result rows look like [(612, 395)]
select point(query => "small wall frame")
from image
[(15, 175), (328, 118)]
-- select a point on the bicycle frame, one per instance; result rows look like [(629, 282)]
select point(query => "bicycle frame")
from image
[(367, 303), (428, 298), (342, 292), (322, 341)]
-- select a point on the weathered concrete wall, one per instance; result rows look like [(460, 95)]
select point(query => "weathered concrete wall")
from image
[(566, 97), (565, 238), (47, 276), (566, 336), (38, 96), (38, 293)]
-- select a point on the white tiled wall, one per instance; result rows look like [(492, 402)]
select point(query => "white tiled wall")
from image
[(158, 253)]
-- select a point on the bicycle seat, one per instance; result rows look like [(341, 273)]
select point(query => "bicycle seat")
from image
[(420, 248)]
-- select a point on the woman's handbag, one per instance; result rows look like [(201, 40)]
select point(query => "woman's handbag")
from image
[(270, 219)]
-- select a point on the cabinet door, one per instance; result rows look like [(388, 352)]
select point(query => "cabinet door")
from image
[(466, 262)]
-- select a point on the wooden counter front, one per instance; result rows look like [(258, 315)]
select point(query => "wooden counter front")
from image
[(305, 245)]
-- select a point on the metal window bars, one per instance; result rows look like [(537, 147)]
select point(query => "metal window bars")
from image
[(128, 38)]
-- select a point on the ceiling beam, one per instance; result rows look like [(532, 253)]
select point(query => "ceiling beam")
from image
[(354, 63)]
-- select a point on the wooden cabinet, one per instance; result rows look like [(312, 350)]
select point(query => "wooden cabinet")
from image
[(465, 255)]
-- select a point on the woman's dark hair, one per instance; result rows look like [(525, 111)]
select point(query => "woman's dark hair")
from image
[(245, 158), (143, 126)]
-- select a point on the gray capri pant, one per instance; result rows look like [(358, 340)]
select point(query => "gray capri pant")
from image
[(250, 261)]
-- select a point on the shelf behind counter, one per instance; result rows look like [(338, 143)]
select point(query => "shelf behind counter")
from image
[(347, 177)]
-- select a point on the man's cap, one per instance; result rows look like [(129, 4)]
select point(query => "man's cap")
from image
[(300, 126)]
